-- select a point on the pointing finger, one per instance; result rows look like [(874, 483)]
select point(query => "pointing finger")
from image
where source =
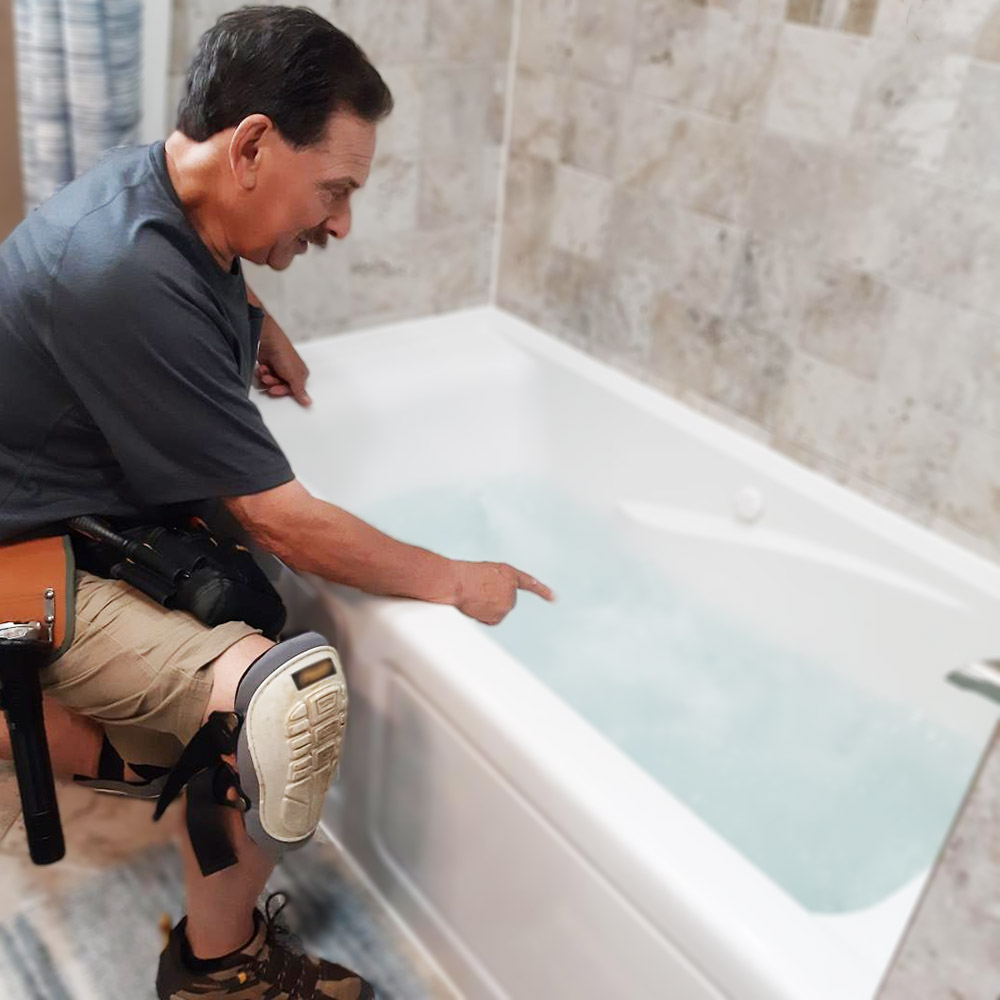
[(529, 583)]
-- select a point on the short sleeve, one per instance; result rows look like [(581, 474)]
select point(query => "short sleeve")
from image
[(152, 358)]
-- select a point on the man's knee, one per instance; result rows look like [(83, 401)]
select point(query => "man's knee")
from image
[(228, 668)]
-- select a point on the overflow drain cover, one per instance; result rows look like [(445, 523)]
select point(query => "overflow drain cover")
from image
[(748, 504)]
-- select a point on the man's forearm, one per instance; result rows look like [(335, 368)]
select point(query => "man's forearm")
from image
[(326, 540)]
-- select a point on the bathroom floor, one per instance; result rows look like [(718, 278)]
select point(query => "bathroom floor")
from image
[(87, 927)]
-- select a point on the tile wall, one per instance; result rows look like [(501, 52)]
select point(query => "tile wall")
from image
[(784, 212)]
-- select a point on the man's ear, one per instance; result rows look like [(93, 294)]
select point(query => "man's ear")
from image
[(247, 149)]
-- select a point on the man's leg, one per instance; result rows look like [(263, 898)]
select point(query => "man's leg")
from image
[(220, 907), (74, 740)]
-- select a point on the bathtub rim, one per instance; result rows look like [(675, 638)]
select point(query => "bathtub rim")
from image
[(492, 322)]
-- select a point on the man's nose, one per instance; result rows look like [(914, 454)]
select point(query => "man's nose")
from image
[(339, 225)]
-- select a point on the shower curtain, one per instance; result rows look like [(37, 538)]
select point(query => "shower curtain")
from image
[(79, 86)]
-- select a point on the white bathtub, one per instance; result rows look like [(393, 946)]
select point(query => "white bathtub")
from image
[(527, 855)]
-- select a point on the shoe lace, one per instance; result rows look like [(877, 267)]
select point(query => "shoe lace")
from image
[(293, 973)]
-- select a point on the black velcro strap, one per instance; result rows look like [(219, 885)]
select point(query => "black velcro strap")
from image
[(110, 764), (217, 737), (206, 822)]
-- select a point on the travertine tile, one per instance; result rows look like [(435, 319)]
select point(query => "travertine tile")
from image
[(400, 132), (452, 190), (386, 272), (987, 46), (909, 102), (391, 31), (961, 23), (704, 58), (694, 257), (859, 18), (602, 40), (701, 163), (458, 264), (546, 35), (941, 355), (321, 302), (971, 492), (388, 201), (987, 411), (582, 212), (528, 205), (817, 83), (846, 319), (973, 154), (875, 209), (952, 248), (791, 189), (456, 105), (750, 371), (891, 19), (819, 408), (577, 304), (683, 344), (853, 16), (906, 447), (464, 29), (590, 127), (540, 116), (774, 283), (804, 11)]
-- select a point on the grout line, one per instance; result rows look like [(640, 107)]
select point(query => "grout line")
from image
[(508, 127)]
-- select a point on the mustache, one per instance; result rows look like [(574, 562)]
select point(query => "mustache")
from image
[(318, 236)]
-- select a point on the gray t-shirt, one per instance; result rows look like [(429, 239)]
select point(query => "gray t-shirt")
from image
[(126, 357)]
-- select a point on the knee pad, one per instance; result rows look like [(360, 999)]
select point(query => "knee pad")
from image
[(293, 703), (286, 729)]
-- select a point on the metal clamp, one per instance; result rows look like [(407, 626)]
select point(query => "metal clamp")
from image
[(34, 631)]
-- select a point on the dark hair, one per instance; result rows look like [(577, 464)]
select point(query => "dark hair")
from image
[(284, 62)]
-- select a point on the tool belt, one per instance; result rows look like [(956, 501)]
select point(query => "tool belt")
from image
[(184, 567), (36, 624)]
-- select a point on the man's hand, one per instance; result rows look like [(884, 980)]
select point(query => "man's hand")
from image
[(487, 591), (280, 371), (316, 537)]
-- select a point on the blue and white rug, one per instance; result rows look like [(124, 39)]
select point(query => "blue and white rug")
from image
[(101, 938)]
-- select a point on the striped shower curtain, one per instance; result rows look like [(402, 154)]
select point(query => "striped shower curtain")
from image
[(79, 86)]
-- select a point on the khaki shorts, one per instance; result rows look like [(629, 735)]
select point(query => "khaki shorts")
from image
[(143, 672)]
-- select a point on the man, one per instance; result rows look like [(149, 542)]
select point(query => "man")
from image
[(128, 347)]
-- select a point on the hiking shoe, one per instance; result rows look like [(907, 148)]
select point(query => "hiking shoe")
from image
[(262, 968), (293, 702)]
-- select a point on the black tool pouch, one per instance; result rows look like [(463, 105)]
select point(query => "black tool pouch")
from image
[(184, 568)]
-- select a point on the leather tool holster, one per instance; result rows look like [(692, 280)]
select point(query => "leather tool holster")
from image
[(37, 585)]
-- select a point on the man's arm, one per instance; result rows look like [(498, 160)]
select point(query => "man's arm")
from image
[(318, 537), (280, 371)]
